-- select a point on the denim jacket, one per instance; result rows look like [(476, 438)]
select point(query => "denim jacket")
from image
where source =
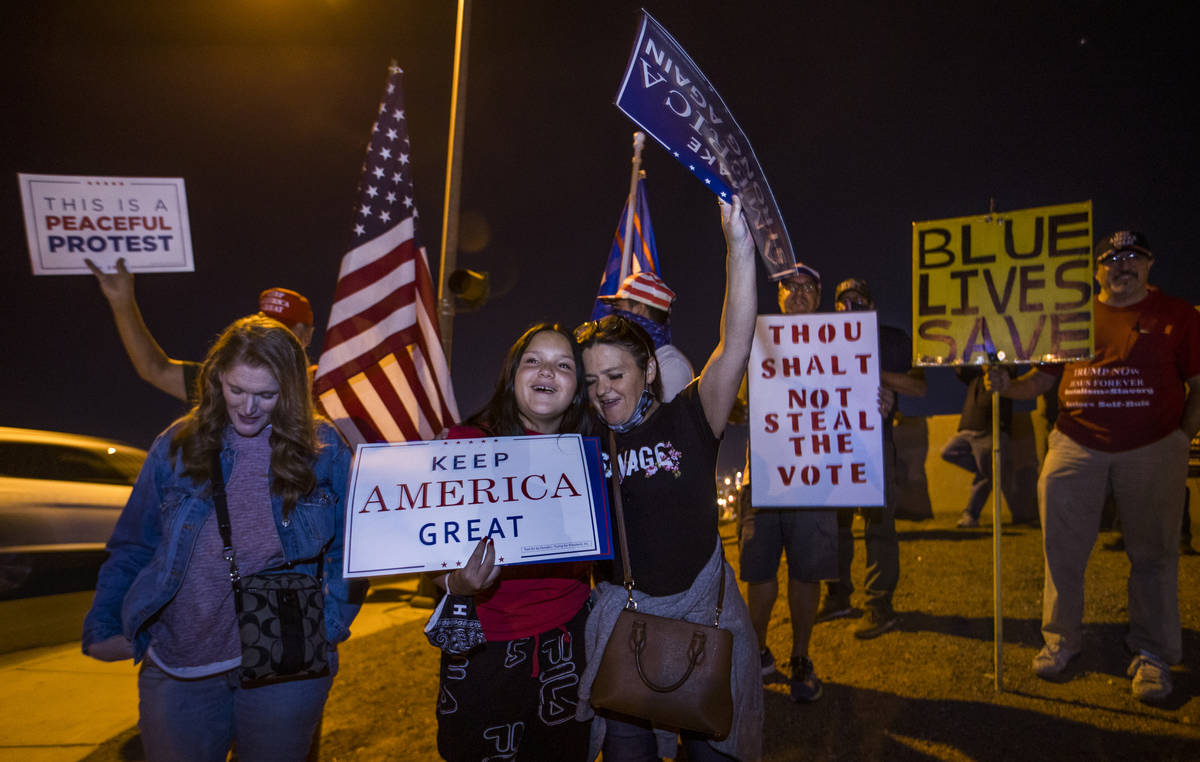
[(153, 540)]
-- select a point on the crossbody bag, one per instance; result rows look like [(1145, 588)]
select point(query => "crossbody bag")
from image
[(281, 614)]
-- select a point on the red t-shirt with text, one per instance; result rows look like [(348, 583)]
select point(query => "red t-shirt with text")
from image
[(1132, 393)]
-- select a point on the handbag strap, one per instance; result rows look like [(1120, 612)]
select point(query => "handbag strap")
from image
[(619, 510), (217, 477)]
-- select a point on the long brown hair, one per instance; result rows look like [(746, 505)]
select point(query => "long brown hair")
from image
[(501, 417), (259, 342)]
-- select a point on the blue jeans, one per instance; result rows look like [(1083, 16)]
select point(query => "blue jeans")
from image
[(197, 720), (634, 741), (971, 451)]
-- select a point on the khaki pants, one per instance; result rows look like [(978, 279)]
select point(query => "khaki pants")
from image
[(1148, 486)]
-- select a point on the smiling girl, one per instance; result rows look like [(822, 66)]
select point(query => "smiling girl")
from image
[(514, 697)]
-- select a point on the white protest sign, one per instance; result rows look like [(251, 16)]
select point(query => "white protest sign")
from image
[(816, 437), (70, 218), (424, 506)]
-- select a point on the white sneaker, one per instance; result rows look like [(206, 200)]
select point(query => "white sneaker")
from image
[(1151, 677), (1052, 661)]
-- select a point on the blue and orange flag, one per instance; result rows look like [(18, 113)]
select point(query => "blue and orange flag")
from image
[(643, 254)]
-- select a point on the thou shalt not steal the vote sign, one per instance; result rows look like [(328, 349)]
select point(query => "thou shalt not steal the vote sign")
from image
[(424, 506), (815, 430)]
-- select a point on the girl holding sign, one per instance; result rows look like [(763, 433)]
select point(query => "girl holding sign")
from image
[(515, 696), (666, 460)]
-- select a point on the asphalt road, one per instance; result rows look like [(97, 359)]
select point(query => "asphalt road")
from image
[(922, 692)]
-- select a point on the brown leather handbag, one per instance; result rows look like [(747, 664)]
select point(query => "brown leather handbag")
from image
[(672, 672)]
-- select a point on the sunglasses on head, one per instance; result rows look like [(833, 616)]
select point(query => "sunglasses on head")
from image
[(589, 329), (614, 328)]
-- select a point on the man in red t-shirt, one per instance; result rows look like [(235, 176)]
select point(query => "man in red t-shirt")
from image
[(1126, 419)]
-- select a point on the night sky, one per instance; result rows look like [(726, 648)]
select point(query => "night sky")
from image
[(864, 116)]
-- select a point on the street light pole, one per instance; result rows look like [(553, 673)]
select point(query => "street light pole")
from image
[(450, 209)]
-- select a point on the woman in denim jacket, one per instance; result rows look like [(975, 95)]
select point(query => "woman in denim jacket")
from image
[(164, 596)]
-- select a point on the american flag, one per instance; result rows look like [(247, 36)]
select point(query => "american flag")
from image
[(383, 375)]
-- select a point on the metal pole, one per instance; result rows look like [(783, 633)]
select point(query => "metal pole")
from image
[(458, 112), (639, 140), (998, 607)]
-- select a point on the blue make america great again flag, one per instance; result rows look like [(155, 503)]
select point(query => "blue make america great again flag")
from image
[(665, 93)]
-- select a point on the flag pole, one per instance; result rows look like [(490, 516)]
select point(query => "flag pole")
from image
[(639, 140), (997, 588), (458, 111), (997, 526)]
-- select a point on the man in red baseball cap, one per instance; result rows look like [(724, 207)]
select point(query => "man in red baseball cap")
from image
[(177, 377), (290, 308), (644, 298)]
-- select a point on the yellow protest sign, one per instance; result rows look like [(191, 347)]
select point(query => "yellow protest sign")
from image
[(1012, 287)]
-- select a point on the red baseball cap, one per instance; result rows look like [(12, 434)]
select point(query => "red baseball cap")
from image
[(286, 306)]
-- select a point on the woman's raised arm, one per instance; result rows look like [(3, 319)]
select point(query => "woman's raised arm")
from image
[(723, 372)]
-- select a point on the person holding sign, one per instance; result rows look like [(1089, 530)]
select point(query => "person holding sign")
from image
[(807, 537), (165, 594), (896, 376), (515, 696), (666, 460), (178, 377), (1125, 421)]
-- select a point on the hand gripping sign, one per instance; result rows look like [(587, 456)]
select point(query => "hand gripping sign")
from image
[(70, 218), (423, 506), (816, 438)]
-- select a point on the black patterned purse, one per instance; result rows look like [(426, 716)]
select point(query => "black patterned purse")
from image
[(281, 615)]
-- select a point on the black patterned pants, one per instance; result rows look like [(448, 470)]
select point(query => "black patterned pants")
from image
[(497, 704)]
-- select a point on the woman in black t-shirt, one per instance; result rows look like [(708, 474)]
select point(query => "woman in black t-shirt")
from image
[(666, 461)]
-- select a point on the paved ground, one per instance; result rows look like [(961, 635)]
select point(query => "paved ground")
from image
[(923, 692), (61, 706)]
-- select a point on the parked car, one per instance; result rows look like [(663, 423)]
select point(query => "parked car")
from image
[(60, 495)]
